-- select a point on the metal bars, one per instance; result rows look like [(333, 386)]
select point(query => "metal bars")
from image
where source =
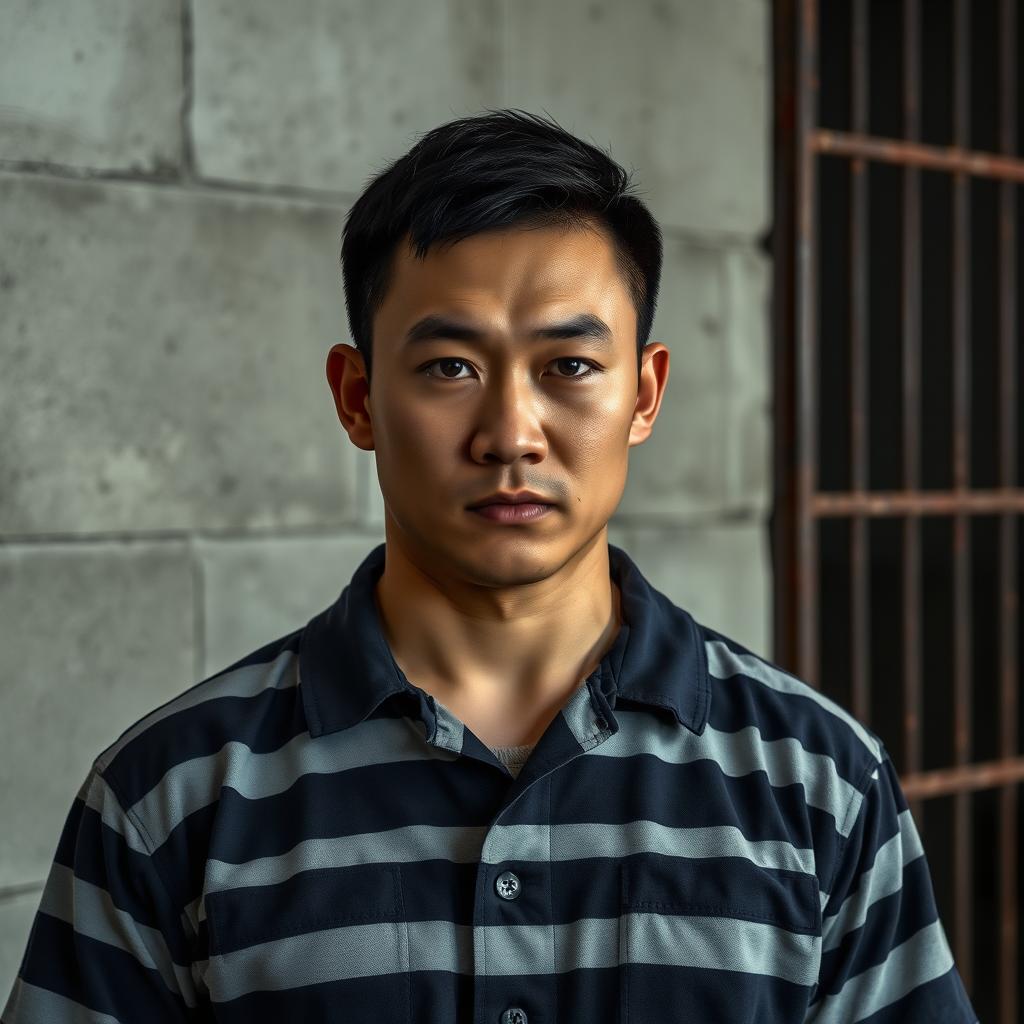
[(961, 279), (800, 508), (1008, 584)]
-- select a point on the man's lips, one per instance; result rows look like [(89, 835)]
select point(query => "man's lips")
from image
[(523, 497), (508, 512)]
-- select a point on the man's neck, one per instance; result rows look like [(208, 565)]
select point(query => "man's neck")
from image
[(503, 663)]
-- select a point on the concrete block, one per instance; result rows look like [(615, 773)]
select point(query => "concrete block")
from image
[(679, 89), (320, 93), (165, 356), (679, 471), (749, 463), (95, 637), (94, 83), (719, 572), (16, 914), (257, 590)]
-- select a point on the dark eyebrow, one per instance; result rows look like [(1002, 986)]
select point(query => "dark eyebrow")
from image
[(592, 329)]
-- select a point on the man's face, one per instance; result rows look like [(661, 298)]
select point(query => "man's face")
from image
[(452, 419)]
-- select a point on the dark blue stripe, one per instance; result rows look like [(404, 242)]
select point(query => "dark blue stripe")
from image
[(181, 860), (444, 793), (443, 890), (656, 992), (97, 975), (364, 799), (264, 723), (779, 715), (889, 922), (383, 999), (99, 855)]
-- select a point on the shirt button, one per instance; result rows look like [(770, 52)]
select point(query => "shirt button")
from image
[(507, 884), (513, 1015)]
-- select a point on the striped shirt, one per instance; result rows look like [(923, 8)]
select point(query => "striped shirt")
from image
[(308, 836)]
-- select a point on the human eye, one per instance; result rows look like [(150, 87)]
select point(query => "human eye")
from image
[(434, 362), (592, 367)]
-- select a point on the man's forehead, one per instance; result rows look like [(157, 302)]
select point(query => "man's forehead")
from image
[(550, 271)]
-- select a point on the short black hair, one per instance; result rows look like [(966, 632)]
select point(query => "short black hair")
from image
[(492, 170)]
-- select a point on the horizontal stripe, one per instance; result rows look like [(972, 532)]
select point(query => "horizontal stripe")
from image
[(195, 784), (723, 663), (598, 839), (96, 974), (90, 911), (569, 890), (515, 950), (883, 878), (29, 1002), (924, 956), (721, 944)]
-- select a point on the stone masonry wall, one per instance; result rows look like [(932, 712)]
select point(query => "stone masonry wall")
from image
[(175, 488)]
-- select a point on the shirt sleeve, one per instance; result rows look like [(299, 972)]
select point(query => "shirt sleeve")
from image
[(106, 944), (885, 956)]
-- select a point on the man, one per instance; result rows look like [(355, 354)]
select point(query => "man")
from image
[(501, 778)]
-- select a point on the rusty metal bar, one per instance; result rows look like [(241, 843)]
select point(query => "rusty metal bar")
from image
[(919, 503), (785, 28), (806, 506), (981, 775), (859, 556), (961, 317), (934, 158), (806, 344), (1009, 941), (911, 316)]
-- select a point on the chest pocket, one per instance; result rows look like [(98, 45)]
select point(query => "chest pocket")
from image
[(700, 941), (330, 944)]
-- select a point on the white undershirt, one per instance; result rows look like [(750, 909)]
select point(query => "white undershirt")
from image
[(513, 757)]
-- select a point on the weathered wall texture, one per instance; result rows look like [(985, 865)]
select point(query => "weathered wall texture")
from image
[(175, 488)]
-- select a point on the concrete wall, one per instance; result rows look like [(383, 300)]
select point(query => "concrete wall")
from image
[(175, 488)]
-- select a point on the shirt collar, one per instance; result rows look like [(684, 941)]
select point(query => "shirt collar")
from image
[(346, 668)]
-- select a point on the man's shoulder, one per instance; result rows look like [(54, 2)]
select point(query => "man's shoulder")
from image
[(750, 691), (251, 702)]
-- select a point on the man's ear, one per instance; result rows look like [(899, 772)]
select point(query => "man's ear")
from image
[(346, 375), (654, 370)]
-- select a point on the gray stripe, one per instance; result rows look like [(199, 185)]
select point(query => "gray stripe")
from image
[(90, 911), (723, 944), (784, 761), (580, 718), (723, 663), (882, 879), (352, 951), (524, 842), (686, 940), (250, 681), (30, 1004), (393, 948), (922, 958), (194, 784)]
